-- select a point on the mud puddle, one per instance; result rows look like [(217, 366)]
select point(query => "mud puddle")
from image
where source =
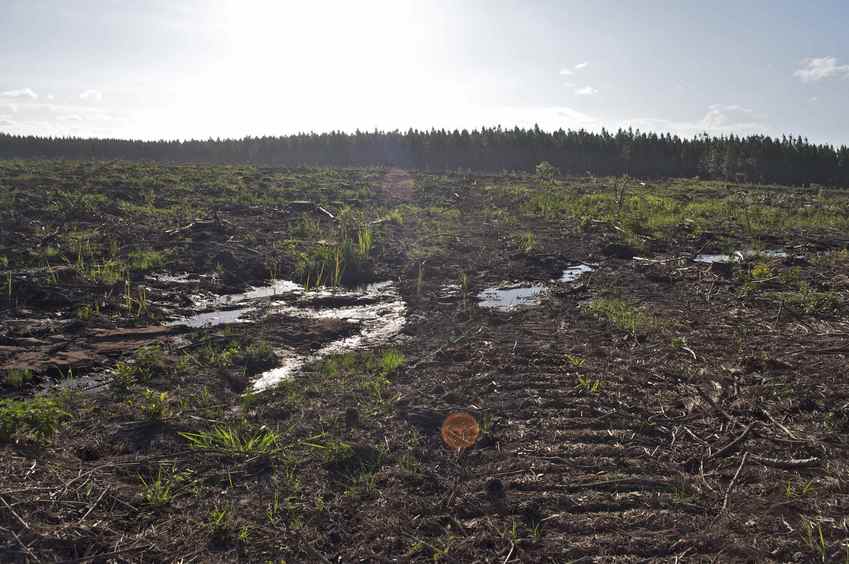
[(508, 297), (740, 256), (181, 278), (214, 318), (523, 294), (380, 318), (231, 308), (377, 310), (277, 288), (574, 272)]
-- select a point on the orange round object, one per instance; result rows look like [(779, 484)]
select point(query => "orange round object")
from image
[(460, 430)]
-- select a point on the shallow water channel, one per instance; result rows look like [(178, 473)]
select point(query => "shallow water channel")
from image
[(377, 310), (740, 256)]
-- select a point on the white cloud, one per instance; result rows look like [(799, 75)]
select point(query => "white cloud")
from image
[(586, 91), (720, 119), (547, 117), (50, 96), (69, 117), (720, 116), (570, 72), (91, 94), (11, 107), (6, 122), (569, 84), (20, 93), (820, 68), (575, 117)]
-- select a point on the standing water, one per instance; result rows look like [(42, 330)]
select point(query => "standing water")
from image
[(377, 309), (507, 298), (574, 272), (739, 256)]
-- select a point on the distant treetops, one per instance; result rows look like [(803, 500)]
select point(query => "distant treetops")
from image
[(755, 158)]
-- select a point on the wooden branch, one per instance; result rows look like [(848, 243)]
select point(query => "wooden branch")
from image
[(734, 479), (787, 464)]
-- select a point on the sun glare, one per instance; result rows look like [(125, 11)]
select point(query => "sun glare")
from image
[(285, 58)]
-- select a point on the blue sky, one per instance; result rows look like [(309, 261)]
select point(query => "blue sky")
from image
[(171, 69)]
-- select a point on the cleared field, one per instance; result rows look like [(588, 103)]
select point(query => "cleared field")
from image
[(658, 370)]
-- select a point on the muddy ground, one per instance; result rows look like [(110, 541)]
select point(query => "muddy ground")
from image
[(658, 408)]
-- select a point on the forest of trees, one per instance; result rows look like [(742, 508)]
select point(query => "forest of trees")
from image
[(756, 158)]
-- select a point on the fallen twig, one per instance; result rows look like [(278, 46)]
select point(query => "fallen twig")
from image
[(780, 426), (509, 554), (712, 403), (730, 446), (93, 505), (18, 517), (788, 464), (734, 479)]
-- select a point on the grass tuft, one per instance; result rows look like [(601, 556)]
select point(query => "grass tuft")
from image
[(234, 442), (38, 418), (623, 315)]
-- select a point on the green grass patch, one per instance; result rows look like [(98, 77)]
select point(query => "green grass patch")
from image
[(809, 301), (354, 372), (232, 441), (17, 377), (623, 315), (38, 418), (257, 357), (157, 492), (392, 360), (657, 211), (145, 261)]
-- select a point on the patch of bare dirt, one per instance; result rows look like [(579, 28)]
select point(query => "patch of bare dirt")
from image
[(398, 185)]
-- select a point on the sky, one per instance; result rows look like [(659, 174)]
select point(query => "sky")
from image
[(171, 69)]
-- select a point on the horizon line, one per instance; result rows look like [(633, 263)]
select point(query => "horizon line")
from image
[(478, 130)]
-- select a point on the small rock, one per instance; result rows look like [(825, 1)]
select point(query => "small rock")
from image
[(495, 488), (618, 250), (352, 416), (531, 513), (807, 405), (424, 418), (452, 398), (724, 269)]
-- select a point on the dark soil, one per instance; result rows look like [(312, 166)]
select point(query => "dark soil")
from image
[(712, 430)]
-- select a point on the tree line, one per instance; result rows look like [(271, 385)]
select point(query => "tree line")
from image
[(755, 158)]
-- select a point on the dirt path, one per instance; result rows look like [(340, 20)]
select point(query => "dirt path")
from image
[(398, 185)]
